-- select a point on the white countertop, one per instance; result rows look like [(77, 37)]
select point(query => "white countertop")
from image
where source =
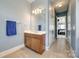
[(35, 32)]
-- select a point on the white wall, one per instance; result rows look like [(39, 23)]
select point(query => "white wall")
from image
[(69, 23), (15, 10), (51, 27)]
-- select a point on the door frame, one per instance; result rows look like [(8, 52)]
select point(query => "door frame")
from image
[(56, 23)]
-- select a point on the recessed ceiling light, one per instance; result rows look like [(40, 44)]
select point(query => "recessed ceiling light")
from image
[(59, 4)]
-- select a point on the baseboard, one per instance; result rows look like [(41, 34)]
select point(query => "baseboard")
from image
[(74, 54), (71, 49), (7, 52), (47, 48), (52, 43)]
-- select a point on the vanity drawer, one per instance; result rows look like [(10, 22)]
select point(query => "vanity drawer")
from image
[(38, 36), (27, 35)]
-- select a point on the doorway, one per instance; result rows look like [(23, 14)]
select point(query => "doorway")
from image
[(61, 27)]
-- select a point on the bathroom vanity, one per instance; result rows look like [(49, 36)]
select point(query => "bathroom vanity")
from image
[(35, 41)]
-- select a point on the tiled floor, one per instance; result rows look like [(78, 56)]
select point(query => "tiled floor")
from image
[(60, 49)]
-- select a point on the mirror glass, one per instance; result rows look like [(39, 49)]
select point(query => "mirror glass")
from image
[(38, 15)]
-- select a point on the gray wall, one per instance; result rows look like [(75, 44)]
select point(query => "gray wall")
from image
[(15, 10), (77, 28), (73, 23)]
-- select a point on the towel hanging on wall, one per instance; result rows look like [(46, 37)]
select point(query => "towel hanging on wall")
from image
[(11, 28)]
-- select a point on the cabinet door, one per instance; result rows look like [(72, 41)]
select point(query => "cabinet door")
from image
[(35, 44), (28, 42)]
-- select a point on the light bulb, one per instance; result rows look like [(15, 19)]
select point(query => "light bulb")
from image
[(33, 11), (36, 12), (50, 8)]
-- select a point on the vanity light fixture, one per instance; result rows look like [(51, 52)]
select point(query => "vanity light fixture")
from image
[(37, 11)]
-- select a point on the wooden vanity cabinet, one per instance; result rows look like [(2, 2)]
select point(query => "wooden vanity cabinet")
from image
[(35, 42), (27, 40)]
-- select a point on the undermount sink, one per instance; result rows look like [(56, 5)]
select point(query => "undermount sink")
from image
[(35, 32)]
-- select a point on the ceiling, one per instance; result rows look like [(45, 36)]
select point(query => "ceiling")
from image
[(63, 7), (30, 1), (55, 2)]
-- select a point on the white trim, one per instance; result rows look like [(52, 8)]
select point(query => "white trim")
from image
[(47, 48), (74, 54), (52, 43), (71, 49), (9, 51)]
